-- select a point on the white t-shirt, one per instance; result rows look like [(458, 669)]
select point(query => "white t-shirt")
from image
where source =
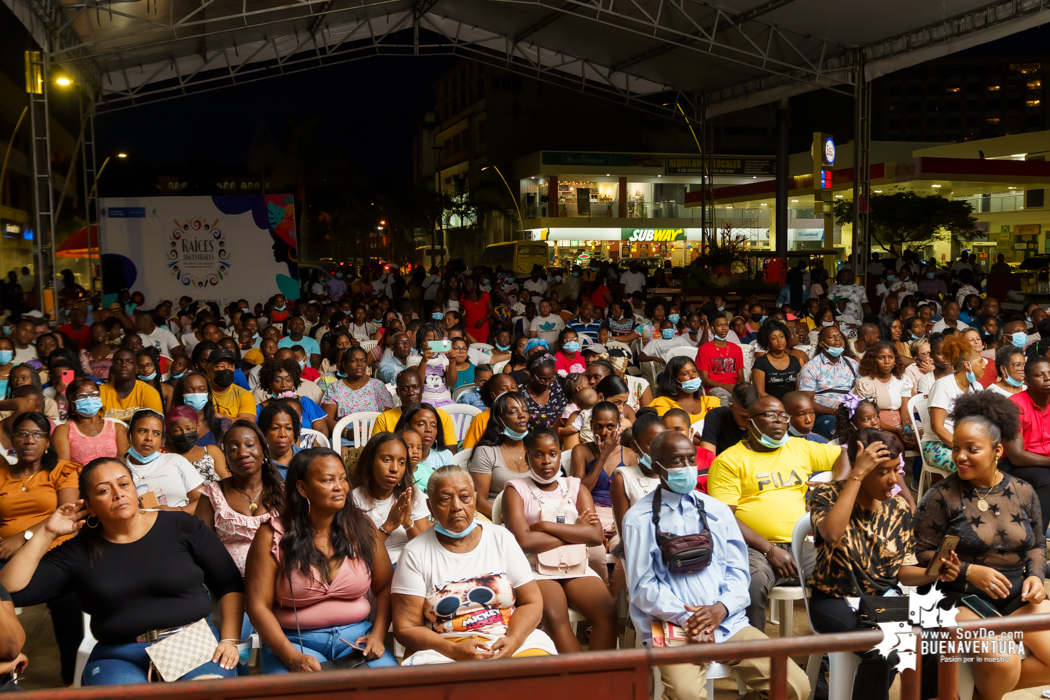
[(378, 511), (941, 326), (659, 346), (23, 355), (540, 286), (632, 282), (943, 394), (925, 383), (162, 339), (548, 328), (170, 477), (430, 287), (363, 332), (483, 580)]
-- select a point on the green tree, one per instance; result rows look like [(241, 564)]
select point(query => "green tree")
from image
[(901, 220)]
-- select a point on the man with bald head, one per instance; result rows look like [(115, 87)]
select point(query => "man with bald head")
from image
[(709, 604), (410, 391), (390, 367), (763, 481), (867, 335)]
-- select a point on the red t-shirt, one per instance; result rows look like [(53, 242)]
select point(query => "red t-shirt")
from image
[(598, 297), (1035, 425), (721, 364), (310, 374), (81, 337)]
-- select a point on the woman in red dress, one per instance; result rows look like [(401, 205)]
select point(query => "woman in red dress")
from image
[(477, 310)]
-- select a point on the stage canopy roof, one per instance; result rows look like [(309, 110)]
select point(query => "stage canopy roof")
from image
[(649, 54)]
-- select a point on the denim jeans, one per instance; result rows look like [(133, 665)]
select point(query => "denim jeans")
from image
[(324, 645), (118, 664)]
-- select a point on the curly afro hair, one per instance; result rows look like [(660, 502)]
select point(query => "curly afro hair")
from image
[(868, 365), (271, 367), (767, 329), (996, 414)]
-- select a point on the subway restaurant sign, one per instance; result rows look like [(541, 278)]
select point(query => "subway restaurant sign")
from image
[(652, 235)]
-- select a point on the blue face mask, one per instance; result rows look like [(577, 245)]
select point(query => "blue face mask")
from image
[(177, 376), (485, 282), (693, 385), (667, 333), (795, 433), (1012, 382), (576, 274), (769, 442), (195, 401), (916, 337), (7, 330), (456, 535), (1019, 339), (91, 307), (515, 435), (437, 315), (891, 278), (339, 275), (682, 480), (970, 376), (833, 351), (302, 364), (674, 318), (502, 348), (89, 406), (341, 375), (721, 337), (571, 347), (6, 356), (646, 461), (132, 452), (929, 275), (148, 377), (279, 308)]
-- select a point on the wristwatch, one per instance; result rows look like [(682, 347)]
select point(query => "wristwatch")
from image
[(28, 535)]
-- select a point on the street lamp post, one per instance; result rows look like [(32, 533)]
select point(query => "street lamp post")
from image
[(513, 198)]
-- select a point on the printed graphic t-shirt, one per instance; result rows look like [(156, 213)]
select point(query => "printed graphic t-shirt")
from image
[(464, 594)]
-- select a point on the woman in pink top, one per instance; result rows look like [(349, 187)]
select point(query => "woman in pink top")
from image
[(309, 572), (87, 435), (546, 512)]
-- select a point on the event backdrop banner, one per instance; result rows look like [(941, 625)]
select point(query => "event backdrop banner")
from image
[(210, 248)]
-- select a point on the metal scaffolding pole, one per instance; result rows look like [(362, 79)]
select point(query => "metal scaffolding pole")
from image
[(90, 164), (861, 170), (43, 192)]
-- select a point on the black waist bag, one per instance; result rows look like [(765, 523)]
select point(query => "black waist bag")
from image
[(683, 554)]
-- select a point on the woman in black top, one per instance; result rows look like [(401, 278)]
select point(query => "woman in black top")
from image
[(775, 373), (1001, 546), (135, 572)]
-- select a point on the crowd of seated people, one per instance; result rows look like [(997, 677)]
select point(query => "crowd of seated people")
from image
[(171, 465)]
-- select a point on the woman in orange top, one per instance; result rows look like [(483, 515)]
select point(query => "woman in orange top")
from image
[(31, 490)]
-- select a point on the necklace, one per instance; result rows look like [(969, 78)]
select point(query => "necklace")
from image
[(518, 461), (94, 432), (982, 504), (252, 505), (25, 487)]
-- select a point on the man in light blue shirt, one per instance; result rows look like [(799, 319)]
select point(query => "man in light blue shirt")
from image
[(390, 367), (710, 604), (296, 336)]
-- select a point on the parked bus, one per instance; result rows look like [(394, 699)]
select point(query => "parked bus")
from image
[(517, 256)]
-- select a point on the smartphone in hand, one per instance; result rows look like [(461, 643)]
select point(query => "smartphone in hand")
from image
[(948, 545), (439, 345)]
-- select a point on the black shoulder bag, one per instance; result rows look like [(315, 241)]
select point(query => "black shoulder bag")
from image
[(683, 554)]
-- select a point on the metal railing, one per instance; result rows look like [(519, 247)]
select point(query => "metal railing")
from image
[(610, 675), (610, 210)]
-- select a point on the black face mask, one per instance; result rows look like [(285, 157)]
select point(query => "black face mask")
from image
[(223, 378), (185, 442)]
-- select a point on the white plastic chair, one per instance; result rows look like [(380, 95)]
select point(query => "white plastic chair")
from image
[(920, 406), (681, 351), (842, 665), (617, 345), (498, 367), (461, 415), (717, 671), (566, 461), (462, 458), (362, 423), (369, 345), (84, 651), (482, 347), (308, 437), (749, 359), (459, 391), (497, 509)]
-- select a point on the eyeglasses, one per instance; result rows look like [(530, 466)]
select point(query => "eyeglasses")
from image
[(775, 417), (35, 434)]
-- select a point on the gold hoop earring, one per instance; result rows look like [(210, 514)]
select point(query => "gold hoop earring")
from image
[(88, 522)]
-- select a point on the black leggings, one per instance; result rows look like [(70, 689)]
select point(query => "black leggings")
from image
[(876, 673), (69, 632)]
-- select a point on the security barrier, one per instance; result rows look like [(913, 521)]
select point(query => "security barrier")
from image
[(608, 675)]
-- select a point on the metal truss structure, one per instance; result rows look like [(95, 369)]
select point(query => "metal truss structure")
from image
[(648, 54)]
